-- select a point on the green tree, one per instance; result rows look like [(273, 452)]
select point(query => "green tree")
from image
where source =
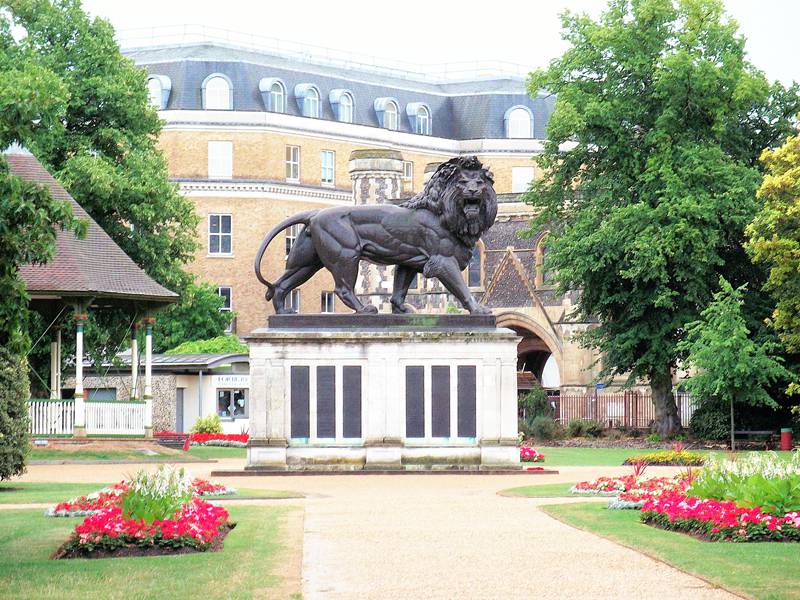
[(730, 367), (223, 344), (104, 151), (645, 195), (197, 317), (774, 237)]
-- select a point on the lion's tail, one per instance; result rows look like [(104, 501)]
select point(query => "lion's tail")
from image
[(303, 218)]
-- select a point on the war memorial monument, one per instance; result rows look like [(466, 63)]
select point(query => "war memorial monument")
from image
[(379, 391)]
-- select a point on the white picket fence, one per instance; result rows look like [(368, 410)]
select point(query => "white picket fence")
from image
[(57, 417), (51, 417)]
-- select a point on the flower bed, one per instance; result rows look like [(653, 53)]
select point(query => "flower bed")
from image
[(667, 458), (151, 513), (630, 491), (197, 526), (230, 440), (112, 496), (528, 454), (719, 520)]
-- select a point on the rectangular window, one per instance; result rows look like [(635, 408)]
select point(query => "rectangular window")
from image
[(293, 163), (232, 404), (327, 159), (220, 160), (408, 170), (293, 301), (521, 178), (220, 234), (227, 294), (327, 305), (101, 394), (291, 236)]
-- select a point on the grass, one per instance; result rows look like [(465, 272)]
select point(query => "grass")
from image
[(215, 452), (52, 493), (164, 454), (248, 566), (762, 570), (573, 457), (547, 490)]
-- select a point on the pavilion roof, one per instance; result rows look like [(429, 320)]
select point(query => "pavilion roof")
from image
[(93, 267)]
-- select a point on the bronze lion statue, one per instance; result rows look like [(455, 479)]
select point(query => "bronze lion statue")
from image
[(432, 233)]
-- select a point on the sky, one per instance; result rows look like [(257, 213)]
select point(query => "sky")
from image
[(525, 32)]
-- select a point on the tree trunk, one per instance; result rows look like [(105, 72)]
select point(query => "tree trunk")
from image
[(733, 442), (667, 422)]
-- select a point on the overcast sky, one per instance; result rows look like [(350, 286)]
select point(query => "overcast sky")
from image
[(426, 31)]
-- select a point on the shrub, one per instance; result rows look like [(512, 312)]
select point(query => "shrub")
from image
[(710, 422), (208, 424), (158, 495), (544, 428), (14, 394), (584, 427), (757, 480), (536, 404), (222, 344), (667, 458)]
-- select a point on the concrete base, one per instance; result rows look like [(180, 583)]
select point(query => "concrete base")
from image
[(79, 431), (382, 393)]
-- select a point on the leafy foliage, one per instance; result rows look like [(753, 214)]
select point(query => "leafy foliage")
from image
[(730, 367), (544, 428), (196, 317), (710, 421), (534, 403), (775, 237), (584, 427), (650, 178), (207, 424), (158, 495), (14, 443), (223, 344)]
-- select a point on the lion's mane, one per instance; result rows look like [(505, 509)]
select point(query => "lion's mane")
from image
[(442, 197)]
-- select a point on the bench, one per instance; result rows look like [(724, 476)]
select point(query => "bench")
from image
[(768, 435), (173, 441)]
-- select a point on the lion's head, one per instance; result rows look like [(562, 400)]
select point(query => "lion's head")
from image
[(461, 191)]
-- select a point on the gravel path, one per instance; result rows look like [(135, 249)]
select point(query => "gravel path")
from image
[(447, 537)]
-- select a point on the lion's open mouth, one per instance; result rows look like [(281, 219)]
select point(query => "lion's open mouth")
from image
[(472, 205)]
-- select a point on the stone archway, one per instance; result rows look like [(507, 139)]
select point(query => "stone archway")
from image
[(536, 347)]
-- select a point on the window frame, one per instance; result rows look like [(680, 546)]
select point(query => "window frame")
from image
[(311, 98), (229, 308), (420, 121), (205, 97), (408, 170), (325, 297), (508, 121), (221, 234), (527, 185), (231, 391), (156, 101), (290, 235), (395, 125), (280, 95), (331, 167), (293, 301), (228, 173), (292, 162), (350, 106)]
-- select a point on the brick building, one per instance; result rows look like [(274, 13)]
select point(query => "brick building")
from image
[(253, 136)]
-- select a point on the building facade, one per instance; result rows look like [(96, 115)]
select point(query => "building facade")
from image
[(253, 137)]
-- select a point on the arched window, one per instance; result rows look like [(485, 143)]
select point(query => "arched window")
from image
[(154, 92), (311, 104), (423, 121), (276, 95), (158, 89), (519, 122), (390, 116), (217, 93), (346, 108), (388, 113), (273, 93), (419, 115)]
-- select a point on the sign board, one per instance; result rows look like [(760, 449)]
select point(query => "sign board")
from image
[(599, 386), (234, 381)]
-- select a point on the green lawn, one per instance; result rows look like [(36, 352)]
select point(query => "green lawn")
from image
[(571, 457), (251, 564), (769, 571), (195, 453), (547, 490), (215, 452), (52, 493)]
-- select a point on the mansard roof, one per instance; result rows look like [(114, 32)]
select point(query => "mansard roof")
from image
[(460, 110), (92, 267)]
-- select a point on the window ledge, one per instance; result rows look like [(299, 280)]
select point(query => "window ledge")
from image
[(291, 180), (219, 255)]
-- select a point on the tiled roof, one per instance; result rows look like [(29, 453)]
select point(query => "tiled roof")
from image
[(92, 267), (461, 111)]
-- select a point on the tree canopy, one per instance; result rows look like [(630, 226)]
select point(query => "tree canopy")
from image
[(223, 344), (729, 366), (102, 147), (650, 174)]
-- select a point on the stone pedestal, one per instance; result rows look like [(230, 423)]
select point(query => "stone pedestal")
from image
[(382, 392)]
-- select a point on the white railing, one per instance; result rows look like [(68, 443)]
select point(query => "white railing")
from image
[(51, 417), (168, 35), (114, 418)]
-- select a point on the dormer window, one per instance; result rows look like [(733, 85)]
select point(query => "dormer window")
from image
[(217, 92), (158, 89), (519, 122), (388, 114), (342, 105), (273, 93), (419, 115), (307, 96)]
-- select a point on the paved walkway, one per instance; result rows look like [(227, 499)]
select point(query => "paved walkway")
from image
[(450, 537)]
